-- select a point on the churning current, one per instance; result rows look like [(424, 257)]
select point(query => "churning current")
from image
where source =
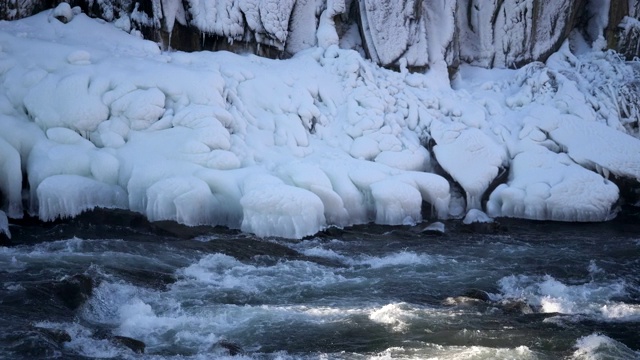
[(110, 285)]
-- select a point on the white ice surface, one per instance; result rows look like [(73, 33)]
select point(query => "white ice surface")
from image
[(96, 117)]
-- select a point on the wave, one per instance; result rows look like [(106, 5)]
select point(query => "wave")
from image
[(224, 272), (597, 346), (403, 258), (599, 299)]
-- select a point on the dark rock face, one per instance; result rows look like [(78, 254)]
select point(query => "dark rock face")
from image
[(411, 33), (516, 307), (136, 346), (231, 348), (477, 294), (628, 38), (13, 10), (482, 227), (74, 291), (623, 30), (57, 336), (4, 240)]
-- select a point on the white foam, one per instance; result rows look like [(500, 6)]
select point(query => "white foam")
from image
[(325, 253), (225, 273), (83, 341), (596, 346), (549, 295), (397, 316), (404, 258)]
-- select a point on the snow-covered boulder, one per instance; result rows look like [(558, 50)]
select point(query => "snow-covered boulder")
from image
[(4, 226), (62, 13), (435, 228)]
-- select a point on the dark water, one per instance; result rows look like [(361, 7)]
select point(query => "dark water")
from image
[(530, 291)]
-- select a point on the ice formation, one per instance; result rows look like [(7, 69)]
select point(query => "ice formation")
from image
[(4, 225), (93, 116)]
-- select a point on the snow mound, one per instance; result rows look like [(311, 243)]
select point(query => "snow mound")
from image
[(93, 116)]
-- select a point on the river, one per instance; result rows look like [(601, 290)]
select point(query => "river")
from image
[(86, 287)]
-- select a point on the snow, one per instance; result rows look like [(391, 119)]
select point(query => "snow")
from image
[(93, 116)]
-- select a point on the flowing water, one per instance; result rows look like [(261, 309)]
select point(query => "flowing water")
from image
[(532, 290)]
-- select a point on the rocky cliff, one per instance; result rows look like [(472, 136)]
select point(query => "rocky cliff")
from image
[(412, 33)]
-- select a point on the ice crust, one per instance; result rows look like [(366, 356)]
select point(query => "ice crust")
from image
[(96, 117)]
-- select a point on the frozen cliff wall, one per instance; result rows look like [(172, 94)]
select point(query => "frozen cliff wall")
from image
[(514, 33), (493, 33)]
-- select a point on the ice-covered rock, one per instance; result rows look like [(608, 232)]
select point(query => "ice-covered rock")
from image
[(435, 228), (4, 225), (550, 186), (476, 216), (272, 208), (471, 157), (62, 12), (10, 180)]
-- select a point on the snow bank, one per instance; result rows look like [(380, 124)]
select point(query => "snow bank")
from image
[(95, 117)]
